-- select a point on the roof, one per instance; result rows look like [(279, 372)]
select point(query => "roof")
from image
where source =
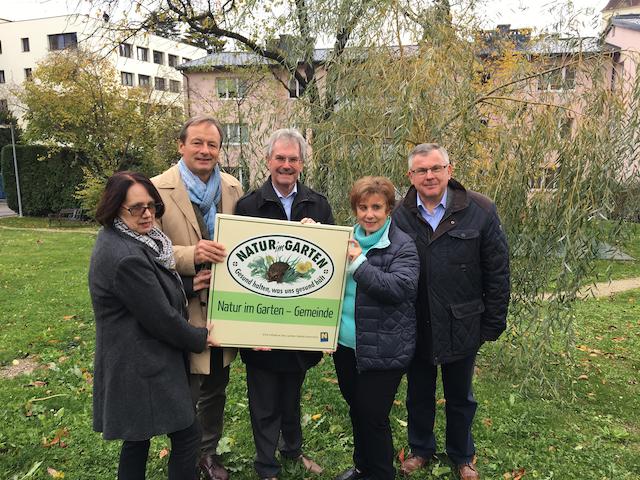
[(630, 21), (614, 4), (241, 59), (562, 46)]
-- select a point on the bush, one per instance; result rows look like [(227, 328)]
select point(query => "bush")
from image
[(626, 204), (48, 179)]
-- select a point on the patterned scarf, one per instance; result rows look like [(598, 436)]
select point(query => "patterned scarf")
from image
[(155, 239), (205, 195)]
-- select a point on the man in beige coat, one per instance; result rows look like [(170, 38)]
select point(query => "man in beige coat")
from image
[(193, 191)]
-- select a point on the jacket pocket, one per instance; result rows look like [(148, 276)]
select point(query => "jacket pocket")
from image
[(465, 327), (463, 245), (150, 357)]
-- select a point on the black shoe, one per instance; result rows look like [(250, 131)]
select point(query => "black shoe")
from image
[(351, 474)]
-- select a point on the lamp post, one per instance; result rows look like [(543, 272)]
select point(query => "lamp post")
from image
[(15, 165)]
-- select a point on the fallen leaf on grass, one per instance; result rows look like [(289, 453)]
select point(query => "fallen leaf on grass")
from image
[(583, 377), (401, 455), (57, 439), (401, 422), (518, 474), (163, 453), (317, 416), (37, 383), (330, 380), (487, 422), (68, 317), (441, 401), (618, 339), (397, 402), (55, 473)]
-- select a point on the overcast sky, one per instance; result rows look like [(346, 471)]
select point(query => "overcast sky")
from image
[(539, 14)]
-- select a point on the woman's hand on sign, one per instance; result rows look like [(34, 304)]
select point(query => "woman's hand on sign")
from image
[(210, 341), (354, 250), (261, 349), (308, 220)]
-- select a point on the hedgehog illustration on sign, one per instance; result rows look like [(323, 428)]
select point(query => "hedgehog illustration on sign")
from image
[(281, 270), (276, 271)]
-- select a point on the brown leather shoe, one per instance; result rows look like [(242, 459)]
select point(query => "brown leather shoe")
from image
[(212, 468), (309, 465), (467, 471), (413, 463)]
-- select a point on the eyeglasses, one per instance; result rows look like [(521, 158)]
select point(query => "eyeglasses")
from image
[(138, 210), (436, 169), (291, 160)]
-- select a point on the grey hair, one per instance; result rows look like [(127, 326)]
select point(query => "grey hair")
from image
[(197, 120), (290, 134), (426, 149)]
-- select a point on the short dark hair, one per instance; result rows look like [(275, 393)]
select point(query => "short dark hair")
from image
[(197, 120), (115, 193), (366, 186)]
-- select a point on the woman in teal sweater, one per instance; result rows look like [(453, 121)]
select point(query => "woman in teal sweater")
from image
[(377, 330)]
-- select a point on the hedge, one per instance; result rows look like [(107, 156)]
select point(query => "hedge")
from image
[(48, 181)]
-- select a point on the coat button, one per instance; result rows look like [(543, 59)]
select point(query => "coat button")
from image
[(453, 222), (463, 235)]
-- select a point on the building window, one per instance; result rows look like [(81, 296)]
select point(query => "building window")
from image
[(28, 74), (295, 89), (173, 61), (236, 133), (185, 59), (127, 79), (160, 83), (560, 79), (4, 104), (231, 88), (126, 50), (2, 76), (158, 57), (25, 45), (60, 41), (144, 81), (143, 54), (0, 47), (175, 86)]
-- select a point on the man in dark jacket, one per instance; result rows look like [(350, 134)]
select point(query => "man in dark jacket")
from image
[(274, 378), (463, 295)]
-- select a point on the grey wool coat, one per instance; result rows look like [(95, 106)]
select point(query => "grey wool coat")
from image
[(141, 386)]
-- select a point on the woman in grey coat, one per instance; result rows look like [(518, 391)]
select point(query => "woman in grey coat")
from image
[(142, 335)]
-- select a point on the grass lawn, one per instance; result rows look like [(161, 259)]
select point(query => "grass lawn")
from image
[(590, 428)]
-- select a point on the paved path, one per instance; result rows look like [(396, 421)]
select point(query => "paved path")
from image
[(604, 289), (5, 211)]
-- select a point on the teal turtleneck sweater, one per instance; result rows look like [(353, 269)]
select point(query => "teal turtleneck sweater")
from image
[(347, 335)]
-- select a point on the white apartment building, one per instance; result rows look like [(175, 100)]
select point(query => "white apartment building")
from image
[(143, 60)]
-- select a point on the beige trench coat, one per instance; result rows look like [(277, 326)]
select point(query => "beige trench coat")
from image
[(179, 223)]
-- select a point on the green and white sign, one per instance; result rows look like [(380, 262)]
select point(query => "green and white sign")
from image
[(281, 285)]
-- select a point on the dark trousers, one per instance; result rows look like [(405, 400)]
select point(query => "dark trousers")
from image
[(182, 460), (274, 406), (370, 397), (209, 396), (460, 407)]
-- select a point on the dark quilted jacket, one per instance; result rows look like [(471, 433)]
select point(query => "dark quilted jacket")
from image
[(385, 316), (464, 274), (264, 203)]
